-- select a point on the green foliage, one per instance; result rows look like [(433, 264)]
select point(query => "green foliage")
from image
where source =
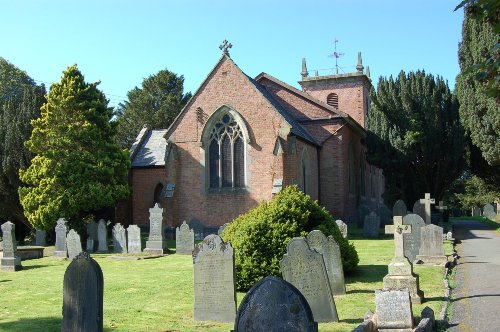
[(78, 168), (155, 105), (415, 136), (261, 235), (20, 101), (477, 193)]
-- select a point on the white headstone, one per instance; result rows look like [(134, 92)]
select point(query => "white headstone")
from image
[(184, 239)]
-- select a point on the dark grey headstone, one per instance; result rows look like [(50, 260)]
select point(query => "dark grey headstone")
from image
[(40, 238), (198, 229), (156, 240), (92, 235), (371, 227), (399, 208), (431, 245), (73, 243), (419, 209), (362, 212), (394, 312), (61, 231), (411, 241), (489, 212), (274, 304), (184, 240), (385, 215), (119, 239), (10, 260), (102, 236), (83, 295), (134, 239)]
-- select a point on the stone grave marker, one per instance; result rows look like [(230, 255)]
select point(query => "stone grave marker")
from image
[(92, 236), (222, 228), (102, 236), (214, 285), (362, 212), (61, 231), (443, 212), (371, 227), (412, 240), (431, 245), (134, 239), (426, 202), (83, 295), (305, 269), (156, 240), (74, 244), (419, 209), (394, 310), (184, 239), (90, 245), (342, 227), (332, 258), (41, 238), (198, 229), (489, 212), (274, 304), (476, 211), (399, 208), (10, 260), (119, 239), (385, 215)]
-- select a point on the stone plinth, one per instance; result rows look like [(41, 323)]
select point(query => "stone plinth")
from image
[(401, 276)]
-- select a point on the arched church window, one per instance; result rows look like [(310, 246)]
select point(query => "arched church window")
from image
[(157, 194), (333, 100)]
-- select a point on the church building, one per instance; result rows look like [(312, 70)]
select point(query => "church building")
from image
[(239, 140)]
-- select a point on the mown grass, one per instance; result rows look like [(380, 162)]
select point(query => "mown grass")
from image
[(157, 294)]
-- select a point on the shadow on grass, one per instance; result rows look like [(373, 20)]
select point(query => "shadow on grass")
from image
[(5, 280), (359, 291), (351, 321), (30, 267), (368, 273), (41, 324)]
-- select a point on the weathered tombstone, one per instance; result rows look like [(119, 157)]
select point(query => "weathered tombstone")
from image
[(385, 215), (427, 201), (40, 238), (92, 236), (274, 304), (119, 239), (371, 227), (362, 212), (332, 258), (419, 209), (102, 236), (305, 269), (134, 239), (412, 240), (73, 243), (489, 212), (156, 240), (222, 228), (399, 208), (184, 239), (83, 295), (198, 229), (89, 247), (61, 231), (431, 245), (214, 286), (10, 261), (342, 227), (476, 211), (394, 310)]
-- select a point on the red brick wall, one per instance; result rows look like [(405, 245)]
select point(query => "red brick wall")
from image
[(144, 182)]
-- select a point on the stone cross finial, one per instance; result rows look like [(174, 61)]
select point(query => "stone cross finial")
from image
[(441, 207), (225, 46), (427, 201), (398, 229)]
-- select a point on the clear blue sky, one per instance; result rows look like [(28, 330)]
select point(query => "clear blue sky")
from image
[(120, 42)]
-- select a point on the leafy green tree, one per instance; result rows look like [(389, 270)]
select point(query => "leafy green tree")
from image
[(155, 105), (78, 168), (415, 136), (20, 102), (477, 193)]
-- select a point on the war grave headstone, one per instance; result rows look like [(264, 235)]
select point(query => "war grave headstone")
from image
[(399, 208), (274, 304), (73, 243), (102, 236), (412, 240), (371, 227), (214, 284), (92, 236), (427, 201), (362, 211), (342, 227), (119, 239), (198, 229), (476, 211), (10, 261), (431, 245), (332, 258), (385, 215), (134, 239), (305, 269), (156, 240), (184, 239), (401, 274), (489, 212), (61, 231), (222, 228), (41, 238), (83, 295), (394, 310)]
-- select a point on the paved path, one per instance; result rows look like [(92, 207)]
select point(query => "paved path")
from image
[(476, 300)]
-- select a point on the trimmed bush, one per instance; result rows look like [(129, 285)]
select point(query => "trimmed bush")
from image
[(261, 235)]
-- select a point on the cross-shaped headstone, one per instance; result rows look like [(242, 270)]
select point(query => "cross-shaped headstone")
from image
[(427, 201), (225, 46), (398, 229), (441, 207)]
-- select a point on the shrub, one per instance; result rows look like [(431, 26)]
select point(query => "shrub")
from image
[(261, 235)]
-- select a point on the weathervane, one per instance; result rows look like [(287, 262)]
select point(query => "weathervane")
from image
[(336, 55), (225, 46)]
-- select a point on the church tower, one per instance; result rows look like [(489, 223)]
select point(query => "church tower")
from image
[(349, 92)]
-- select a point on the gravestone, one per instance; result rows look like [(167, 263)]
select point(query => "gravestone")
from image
[(83, 295), (419, 209), (476, 211), (184, 239), (385, 215), (332, 258), (399, 208), (61, 231), (92, 236), (342, 227), (214, 286), (119, 239), (427, 201), (431, 246), (371, 227), (10, 260), (394, 310), (274, 304), (156, 240), (134, 239), (412, 240), (90, 245), (489, 212), (73, 243), (102, 236), (222, 228), (362, 212), (41, 238), (443, 210), (198, 229), (305, 269)]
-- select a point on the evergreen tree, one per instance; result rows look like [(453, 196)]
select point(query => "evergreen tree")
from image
[(78, 168)]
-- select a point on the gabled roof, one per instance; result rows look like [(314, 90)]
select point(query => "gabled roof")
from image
[(151, 151)]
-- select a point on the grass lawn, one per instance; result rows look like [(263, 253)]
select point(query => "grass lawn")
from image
[(157, 294)]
